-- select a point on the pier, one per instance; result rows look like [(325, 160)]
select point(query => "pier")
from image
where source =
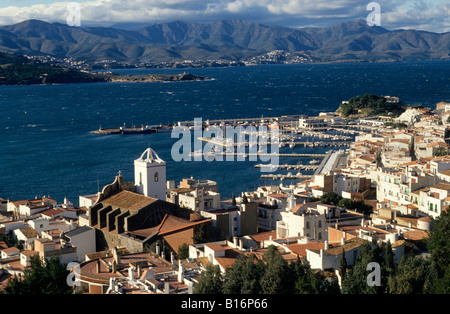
[(286, 176), (289, 167), (125, 130), (291, 144)]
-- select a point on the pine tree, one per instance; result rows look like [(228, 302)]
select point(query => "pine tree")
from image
[(343, 268), (211, 281)]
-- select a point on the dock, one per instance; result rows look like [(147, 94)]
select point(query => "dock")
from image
[(291, 144), (285, 176), (124, 130), (289, 167)]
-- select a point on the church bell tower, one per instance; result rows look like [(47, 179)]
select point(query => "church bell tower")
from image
[(150, 175)]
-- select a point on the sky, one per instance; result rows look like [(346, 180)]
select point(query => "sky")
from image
[(428, 15)]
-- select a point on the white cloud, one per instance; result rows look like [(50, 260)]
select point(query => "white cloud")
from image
[(395, 14)]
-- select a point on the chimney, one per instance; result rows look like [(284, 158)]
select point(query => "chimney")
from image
[(241, 245), (166, 285), (180, 272), (130, 273), (158, 249), (116, 255), (190, 287), (98, 266), (139, 271), (326, 245), (235, 242), (271, 238), (113, 266), (342, 240), (262, 244), (172, 258)]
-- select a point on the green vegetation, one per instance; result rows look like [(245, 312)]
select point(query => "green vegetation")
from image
[(183, 251), (17, 70), (11, 241), (270, 275), (398, 125), (415, 274), (42, 277), (332, 198), (440, 151), (368, 105)]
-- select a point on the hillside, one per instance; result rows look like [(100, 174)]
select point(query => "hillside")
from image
[(230, 40), (18, 70), (367, 105)]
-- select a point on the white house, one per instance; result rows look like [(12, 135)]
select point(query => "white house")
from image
[(330, 257), (10, 252), (84, 240), (303, 220), (27, 235), (13, 225)]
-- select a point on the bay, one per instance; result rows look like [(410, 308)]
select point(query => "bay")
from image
[(46, 147)]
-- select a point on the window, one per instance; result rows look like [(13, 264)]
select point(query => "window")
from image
[(320, 236), (320, 223), (156, 176), (307, 225)]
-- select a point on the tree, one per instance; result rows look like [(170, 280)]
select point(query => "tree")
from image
[(355, 282), (42, 277), (440, 151), (330, 198), (233, 280), (438, 245), (233, 201), (211, 281), (251, 277), (389, 260), (183, 251), (201, 233), (343, 268), (414, 275), (275, 279), (345, 203)]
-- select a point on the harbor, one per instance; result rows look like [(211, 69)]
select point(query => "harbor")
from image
[(293, 135)]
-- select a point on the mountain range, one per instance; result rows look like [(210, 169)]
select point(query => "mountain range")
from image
[(233, 40)]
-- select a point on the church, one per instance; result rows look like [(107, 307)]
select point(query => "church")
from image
[(123, 208)]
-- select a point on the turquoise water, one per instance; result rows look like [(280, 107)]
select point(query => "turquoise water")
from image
[(46, 147)]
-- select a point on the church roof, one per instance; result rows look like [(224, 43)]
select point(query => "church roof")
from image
[(129, 200), (168, 225), (149, 155)]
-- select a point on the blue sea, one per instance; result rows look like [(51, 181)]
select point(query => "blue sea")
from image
[(46, 147)]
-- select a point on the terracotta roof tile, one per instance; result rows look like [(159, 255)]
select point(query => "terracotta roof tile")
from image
[(129, 200)]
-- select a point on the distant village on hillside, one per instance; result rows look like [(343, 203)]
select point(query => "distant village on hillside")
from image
[(155, 235)]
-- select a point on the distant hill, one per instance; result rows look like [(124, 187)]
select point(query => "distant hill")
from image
[(18, 70), (228, 39)]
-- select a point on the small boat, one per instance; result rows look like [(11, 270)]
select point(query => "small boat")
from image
[(196, 153), (314, 162)]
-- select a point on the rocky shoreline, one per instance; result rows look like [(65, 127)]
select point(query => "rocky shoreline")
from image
[(155, 78)]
